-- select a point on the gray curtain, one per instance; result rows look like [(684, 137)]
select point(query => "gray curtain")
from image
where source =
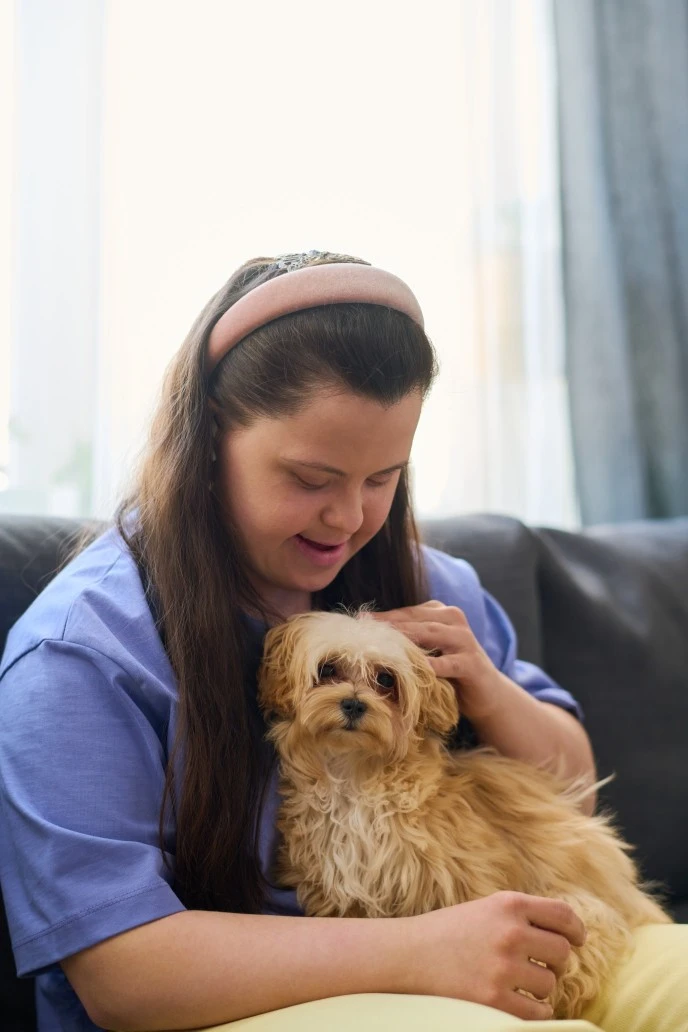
[(622, 69)]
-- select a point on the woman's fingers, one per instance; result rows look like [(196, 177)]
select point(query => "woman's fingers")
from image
[(554, 916), (529, 1010), (432, 635), (536, 979), (433, 611), (553, 950)]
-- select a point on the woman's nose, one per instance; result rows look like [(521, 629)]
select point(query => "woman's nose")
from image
[(344, 516)]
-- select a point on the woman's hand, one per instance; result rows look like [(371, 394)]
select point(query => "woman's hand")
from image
[(480, 951), (459, 657)]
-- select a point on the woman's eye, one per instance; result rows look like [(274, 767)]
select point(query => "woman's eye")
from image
[(309, 487), (386, 680), (326, 670)]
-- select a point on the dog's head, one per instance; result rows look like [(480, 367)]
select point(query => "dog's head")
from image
[(337, 683)]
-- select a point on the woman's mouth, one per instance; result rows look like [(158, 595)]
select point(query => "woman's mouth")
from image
[(318, 553)]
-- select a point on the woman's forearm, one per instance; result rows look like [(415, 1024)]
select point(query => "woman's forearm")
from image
[(200, 968), (520, 726)]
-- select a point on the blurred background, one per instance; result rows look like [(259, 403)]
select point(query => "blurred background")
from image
[(522, 164)]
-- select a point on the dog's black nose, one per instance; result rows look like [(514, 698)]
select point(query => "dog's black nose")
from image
[(353, 709)]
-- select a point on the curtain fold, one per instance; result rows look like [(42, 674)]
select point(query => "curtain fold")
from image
[(623, 136)]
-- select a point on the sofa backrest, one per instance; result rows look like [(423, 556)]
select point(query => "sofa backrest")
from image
[(606, 615)]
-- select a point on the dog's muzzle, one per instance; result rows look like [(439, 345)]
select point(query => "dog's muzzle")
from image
[(353, 709)]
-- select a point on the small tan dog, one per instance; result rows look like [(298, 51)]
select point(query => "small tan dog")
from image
[(379, 819)]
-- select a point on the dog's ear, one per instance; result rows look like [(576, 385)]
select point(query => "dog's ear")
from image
[(439, 708), (280, 670)]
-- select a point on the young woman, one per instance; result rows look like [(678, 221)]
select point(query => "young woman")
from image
[(138, 794)]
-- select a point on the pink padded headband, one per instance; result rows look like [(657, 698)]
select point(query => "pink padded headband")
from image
[(308, 287)]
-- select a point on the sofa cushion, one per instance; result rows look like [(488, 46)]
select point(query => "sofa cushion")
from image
[(614, 611)]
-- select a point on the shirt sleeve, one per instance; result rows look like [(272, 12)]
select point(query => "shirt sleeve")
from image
[(501, 645), (456, 583), (82, 771)]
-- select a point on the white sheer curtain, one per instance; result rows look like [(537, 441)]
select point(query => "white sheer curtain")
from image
[(6, 155), (196, 135)]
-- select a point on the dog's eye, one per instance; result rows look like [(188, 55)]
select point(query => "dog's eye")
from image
[(326, 670), (386, 680)]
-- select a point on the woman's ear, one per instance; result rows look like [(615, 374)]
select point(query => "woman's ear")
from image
[(439, 707)]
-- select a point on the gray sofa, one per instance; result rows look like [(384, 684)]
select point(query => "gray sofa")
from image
[(605, 612)]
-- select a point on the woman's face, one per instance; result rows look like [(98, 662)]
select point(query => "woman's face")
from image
[(307, 491)]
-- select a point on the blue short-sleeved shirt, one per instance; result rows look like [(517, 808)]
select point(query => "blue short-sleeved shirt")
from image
[(88, 702)]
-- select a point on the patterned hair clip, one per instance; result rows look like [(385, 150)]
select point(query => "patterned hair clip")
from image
[(292, 262)]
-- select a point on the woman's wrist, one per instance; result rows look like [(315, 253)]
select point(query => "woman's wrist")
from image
[(411, 940), (400, 949), (385, 952)]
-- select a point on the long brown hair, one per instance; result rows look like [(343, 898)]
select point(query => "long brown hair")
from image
[(198, 573)]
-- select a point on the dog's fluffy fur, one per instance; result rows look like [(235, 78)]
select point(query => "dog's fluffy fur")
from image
[(379, 819)]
